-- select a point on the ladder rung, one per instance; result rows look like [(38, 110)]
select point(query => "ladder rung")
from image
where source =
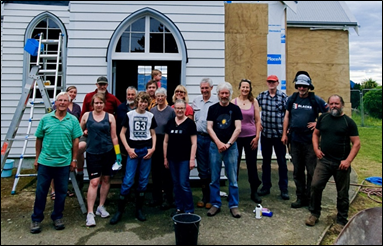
[(22, 138), (26, 175), (48, 41), (48, 56), (47, 71), (47, 86)]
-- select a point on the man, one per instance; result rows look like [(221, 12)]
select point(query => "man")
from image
[(273, 104), (151, 88), (336, 131), (224, 126), (201, 106), (111, 104), (300, 119), (122, 109), (56, 152)]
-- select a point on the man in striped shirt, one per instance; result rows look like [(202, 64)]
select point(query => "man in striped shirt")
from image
[(273, 104)]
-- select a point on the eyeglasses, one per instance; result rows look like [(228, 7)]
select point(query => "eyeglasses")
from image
[(246, 80), (303, 86), (180, 108), (180, 91)]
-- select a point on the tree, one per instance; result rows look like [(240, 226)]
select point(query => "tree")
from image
[(369, 84), (355, 95), (372, 102)]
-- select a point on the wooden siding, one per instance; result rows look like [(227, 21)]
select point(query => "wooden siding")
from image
[(328, 63), (246, 28)]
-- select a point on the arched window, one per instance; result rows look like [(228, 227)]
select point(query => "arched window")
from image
[(50, 27)]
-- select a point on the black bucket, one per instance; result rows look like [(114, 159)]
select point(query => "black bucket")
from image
[(186, 228)]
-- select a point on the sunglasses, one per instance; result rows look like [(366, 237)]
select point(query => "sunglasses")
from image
[(180, 91)]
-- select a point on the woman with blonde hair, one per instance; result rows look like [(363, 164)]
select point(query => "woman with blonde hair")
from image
[(180, 92)]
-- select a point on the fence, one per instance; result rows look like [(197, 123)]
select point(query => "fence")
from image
[(359, 114)]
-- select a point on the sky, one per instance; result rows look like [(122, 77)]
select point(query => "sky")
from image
[(366, 49)]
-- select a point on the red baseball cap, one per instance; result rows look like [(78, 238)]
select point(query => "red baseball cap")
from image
[(272, 78)]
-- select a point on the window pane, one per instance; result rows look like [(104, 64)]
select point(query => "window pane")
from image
[(156, 26), (143, 76), (170, 44), (42, 24), (156, 43), (52, 24), (123, 43), (138, 42), (139, 25)]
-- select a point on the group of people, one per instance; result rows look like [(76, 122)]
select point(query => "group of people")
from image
[(169, 141)]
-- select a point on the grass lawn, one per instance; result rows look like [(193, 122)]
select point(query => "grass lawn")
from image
[(367, 163)]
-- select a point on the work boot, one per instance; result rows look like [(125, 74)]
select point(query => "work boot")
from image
[(263, 191), (140, 198), (205, 202), (120, 210), (299, 203), (311, 220), (254, 194)]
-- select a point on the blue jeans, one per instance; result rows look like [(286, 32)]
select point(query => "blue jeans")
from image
[(183, 196), (45, 174), (202, 155), (229, 158), (130, 171), (280, 151)]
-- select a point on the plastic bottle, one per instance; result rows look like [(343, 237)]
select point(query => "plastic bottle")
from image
[(258, 211)]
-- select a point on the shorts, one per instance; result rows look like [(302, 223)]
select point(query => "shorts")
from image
[(83, 138), (100, 164)]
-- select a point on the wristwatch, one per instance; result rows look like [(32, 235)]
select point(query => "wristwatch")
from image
[(75, 160), (229, 143)]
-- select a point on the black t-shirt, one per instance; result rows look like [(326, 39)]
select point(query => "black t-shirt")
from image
[(224, 120), (179, 142), (335, 136)]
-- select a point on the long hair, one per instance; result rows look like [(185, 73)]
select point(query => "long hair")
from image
[(181, 88), (250, 96)]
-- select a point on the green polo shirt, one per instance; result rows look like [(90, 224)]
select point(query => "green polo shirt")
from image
[(57, 139)]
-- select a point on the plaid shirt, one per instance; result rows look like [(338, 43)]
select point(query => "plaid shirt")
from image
[(273, 112)]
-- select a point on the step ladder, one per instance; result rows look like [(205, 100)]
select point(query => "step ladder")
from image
[(37, 75)]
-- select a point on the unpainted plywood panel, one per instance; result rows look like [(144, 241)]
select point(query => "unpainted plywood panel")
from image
[(246, 57), (246, 18)]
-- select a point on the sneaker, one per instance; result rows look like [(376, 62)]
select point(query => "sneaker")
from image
[(263, 192), (116, 166), (311, 220), (59, 224), (299, 203), (101, 211), (90, 222), (35, 227), (285, 195), (213, 211), (235, 213)]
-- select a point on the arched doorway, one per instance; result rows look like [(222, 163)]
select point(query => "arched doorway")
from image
[(146, 40)]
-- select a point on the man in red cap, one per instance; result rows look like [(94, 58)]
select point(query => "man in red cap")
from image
[(273, 104)]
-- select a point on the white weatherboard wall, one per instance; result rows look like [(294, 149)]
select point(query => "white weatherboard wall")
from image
[(16, 19), (90, 25)]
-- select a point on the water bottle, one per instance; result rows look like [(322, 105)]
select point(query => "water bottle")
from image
[(258, 211)]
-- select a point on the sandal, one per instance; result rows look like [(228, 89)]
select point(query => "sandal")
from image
[(69, 193), (53, 196)]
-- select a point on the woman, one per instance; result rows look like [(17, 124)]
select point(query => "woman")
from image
[(180, 92), (100, 155), (161, 176), (75, 110), (180, 146), (249, 136)]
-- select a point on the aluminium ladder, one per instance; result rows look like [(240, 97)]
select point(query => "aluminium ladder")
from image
[(34, 82)]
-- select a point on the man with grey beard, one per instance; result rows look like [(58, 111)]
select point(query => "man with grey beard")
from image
[(339, 144)]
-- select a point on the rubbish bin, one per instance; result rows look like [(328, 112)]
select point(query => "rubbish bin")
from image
[(7, 170), (186, 228)]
